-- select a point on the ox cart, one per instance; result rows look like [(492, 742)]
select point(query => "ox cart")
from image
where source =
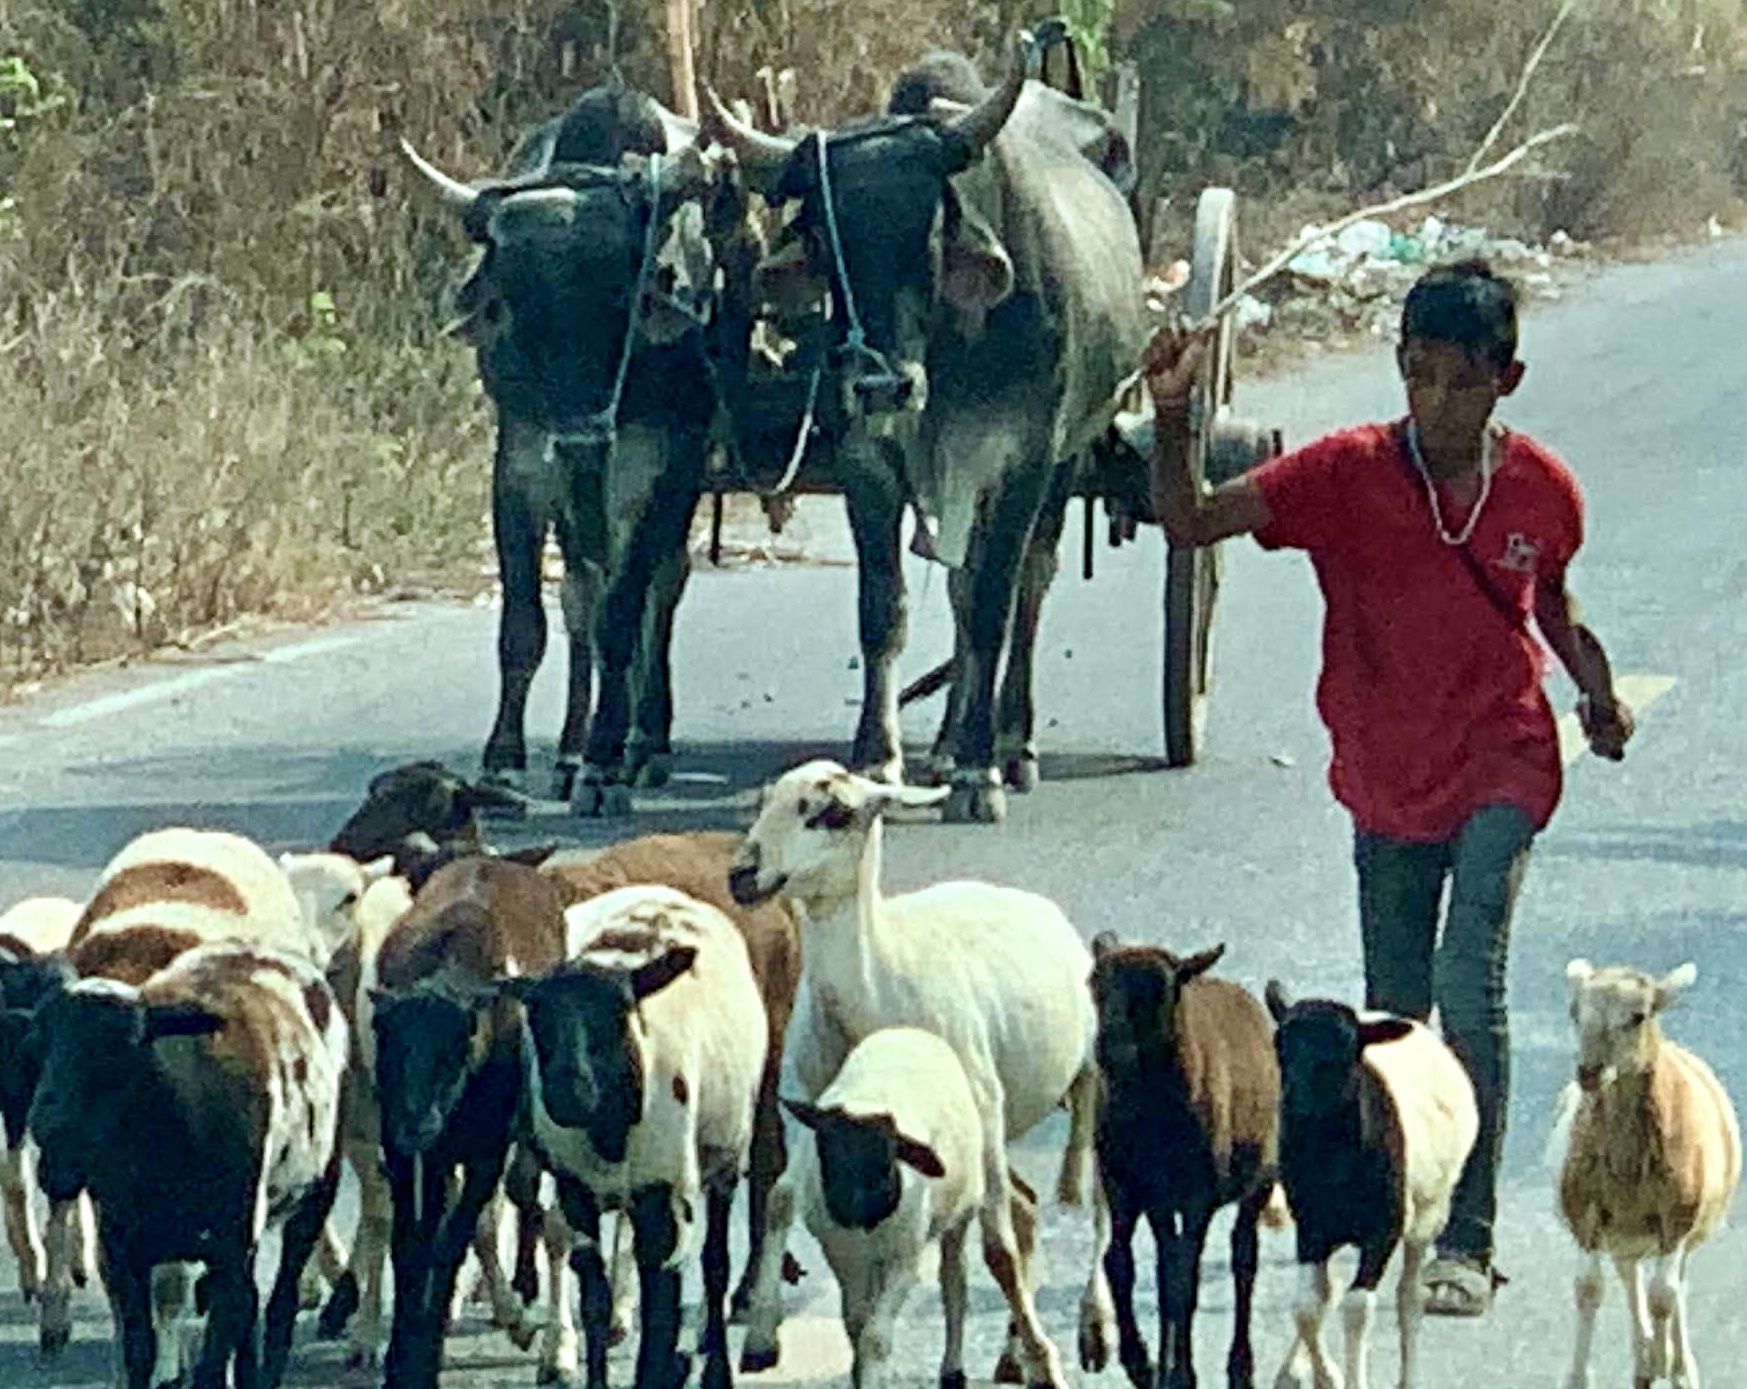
[(1224, 445)]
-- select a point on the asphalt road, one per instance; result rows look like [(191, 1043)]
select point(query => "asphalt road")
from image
[(1646, 863)]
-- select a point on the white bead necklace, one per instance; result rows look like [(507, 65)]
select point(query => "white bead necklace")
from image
[(1486, 442)]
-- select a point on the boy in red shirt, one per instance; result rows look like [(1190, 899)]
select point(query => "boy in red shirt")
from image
[(1435, 539)]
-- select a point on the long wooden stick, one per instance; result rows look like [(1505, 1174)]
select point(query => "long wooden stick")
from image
[(1522, 85)]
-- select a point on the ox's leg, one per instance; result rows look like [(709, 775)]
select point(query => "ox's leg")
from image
[(580, 598), (659, 1362), (1587, 1291), (303, 1230), (21, 1231), (1016, 718), (1003, 530), (874, 500), (649, 753), (584, 1216), (55, 1311), (713, 1344), (519, 525), (653, 492)]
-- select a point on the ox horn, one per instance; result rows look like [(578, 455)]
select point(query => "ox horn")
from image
[(983, 122), (454, 193), (762, 156)]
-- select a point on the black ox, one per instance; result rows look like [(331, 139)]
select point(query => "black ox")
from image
[(983, 270), (594, 315)]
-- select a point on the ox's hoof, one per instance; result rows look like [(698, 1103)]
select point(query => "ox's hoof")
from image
[(596, 800), (565, 1376), (1021, 774), (978, 802), (648, 767), (341, 1306), (953, 1379), (1139, 1369), (564, 773), (755, 1360)]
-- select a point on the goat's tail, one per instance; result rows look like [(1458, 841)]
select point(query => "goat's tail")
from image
[(1082, 1103)]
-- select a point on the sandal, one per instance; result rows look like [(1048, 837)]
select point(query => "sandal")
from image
[(1459, 1287)]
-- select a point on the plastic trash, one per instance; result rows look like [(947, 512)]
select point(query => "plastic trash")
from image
[(1251, 312), (1367, 238)]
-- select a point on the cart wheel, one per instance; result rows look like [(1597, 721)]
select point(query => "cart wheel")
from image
[(1192, 575)]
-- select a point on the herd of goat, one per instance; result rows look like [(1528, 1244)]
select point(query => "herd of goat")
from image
[(192, 1054)]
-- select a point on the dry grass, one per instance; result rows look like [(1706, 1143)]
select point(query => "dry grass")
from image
[(223, 389)]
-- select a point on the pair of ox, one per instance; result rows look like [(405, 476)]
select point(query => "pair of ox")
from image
[(970, 268)]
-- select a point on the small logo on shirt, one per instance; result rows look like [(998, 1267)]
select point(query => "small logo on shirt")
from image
[(1520, 554)]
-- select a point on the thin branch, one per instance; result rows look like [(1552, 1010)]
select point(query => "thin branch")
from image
[(1522, 84)]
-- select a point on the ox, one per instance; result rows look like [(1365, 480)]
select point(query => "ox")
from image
[(983, 268), (591, 315)]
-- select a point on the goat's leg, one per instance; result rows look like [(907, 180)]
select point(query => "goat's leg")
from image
[(1097, 1303), (1668, 1322), (419, 1188), (1357, 1310), (1179, 1266), (231, 1313), (954, 1301), (558, 1340), (1016, 714), (128, 1280), (1010, 1369), (1137, 1360), (21, 1232), (171, 1285), (506, 1307), (369, 1251), (768, 1159), (1308, 1355), (582, 1214), (1587, 1294), (1001, 1254), (1631, 1274), (521, 1184), (764, 1316), (874, 500), (519, 521), (481, 1175), (713, 1342), (84, 1237), (55, 1309), (1003, 530), (1410, 1308), (1080, 1154), (660, 1365), (303, 1229), (1246, 1259), (325, 1269), (1683, 1372)]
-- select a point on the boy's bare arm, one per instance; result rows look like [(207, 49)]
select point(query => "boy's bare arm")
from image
[(1189, 515), (1607, 723)]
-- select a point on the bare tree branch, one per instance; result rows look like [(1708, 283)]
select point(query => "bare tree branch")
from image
[(1522, 85)]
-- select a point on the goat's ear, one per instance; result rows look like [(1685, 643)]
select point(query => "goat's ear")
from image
[(478, 795), (1105, 944), (1578, 971), (520, 987), (920, 1156), (1275, 997), (377, 869), (809, 1115), (180, 1020), (658, 973), (885, 798), (532, 856), (1197, 965), (1674, 983), (1374, 1032)]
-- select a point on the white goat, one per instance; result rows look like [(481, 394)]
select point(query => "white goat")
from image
[(896, 1164), (648, 1050), (1376, 1114), (1000, 975), (1651, 1158)]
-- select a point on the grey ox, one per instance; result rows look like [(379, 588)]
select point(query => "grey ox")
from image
[(983, 271), (593, 313)]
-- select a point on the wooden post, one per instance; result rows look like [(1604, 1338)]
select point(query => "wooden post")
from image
[(681, 64)]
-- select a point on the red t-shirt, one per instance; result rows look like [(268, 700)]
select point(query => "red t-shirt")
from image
[(1432, 700)]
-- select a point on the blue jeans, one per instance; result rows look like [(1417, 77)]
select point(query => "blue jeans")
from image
[(1408, 969)]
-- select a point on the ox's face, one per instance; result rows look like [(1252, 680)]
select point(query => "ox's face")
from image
[(858, 1162), (1318, 1043), (1135, 990), (1615, 1012), (95, 1041), (583, 1021), (428, 1041), (420, 799), (809, 831)]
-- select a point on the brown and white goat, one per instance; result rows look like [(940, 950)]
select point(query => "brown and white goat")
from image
[(1188, 1124), (199, 1109), (1651, 1160)]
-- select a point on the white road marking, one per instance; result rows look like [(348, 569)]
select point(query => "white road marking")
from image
[(175, 685), (1638, 692)]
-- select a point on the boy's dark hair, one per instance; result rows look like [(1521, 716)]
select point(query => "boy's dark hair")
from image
[(1468, 305)]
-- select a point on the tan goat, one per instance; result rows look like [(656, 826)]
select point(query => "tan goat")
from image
[(1651, 1159)]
